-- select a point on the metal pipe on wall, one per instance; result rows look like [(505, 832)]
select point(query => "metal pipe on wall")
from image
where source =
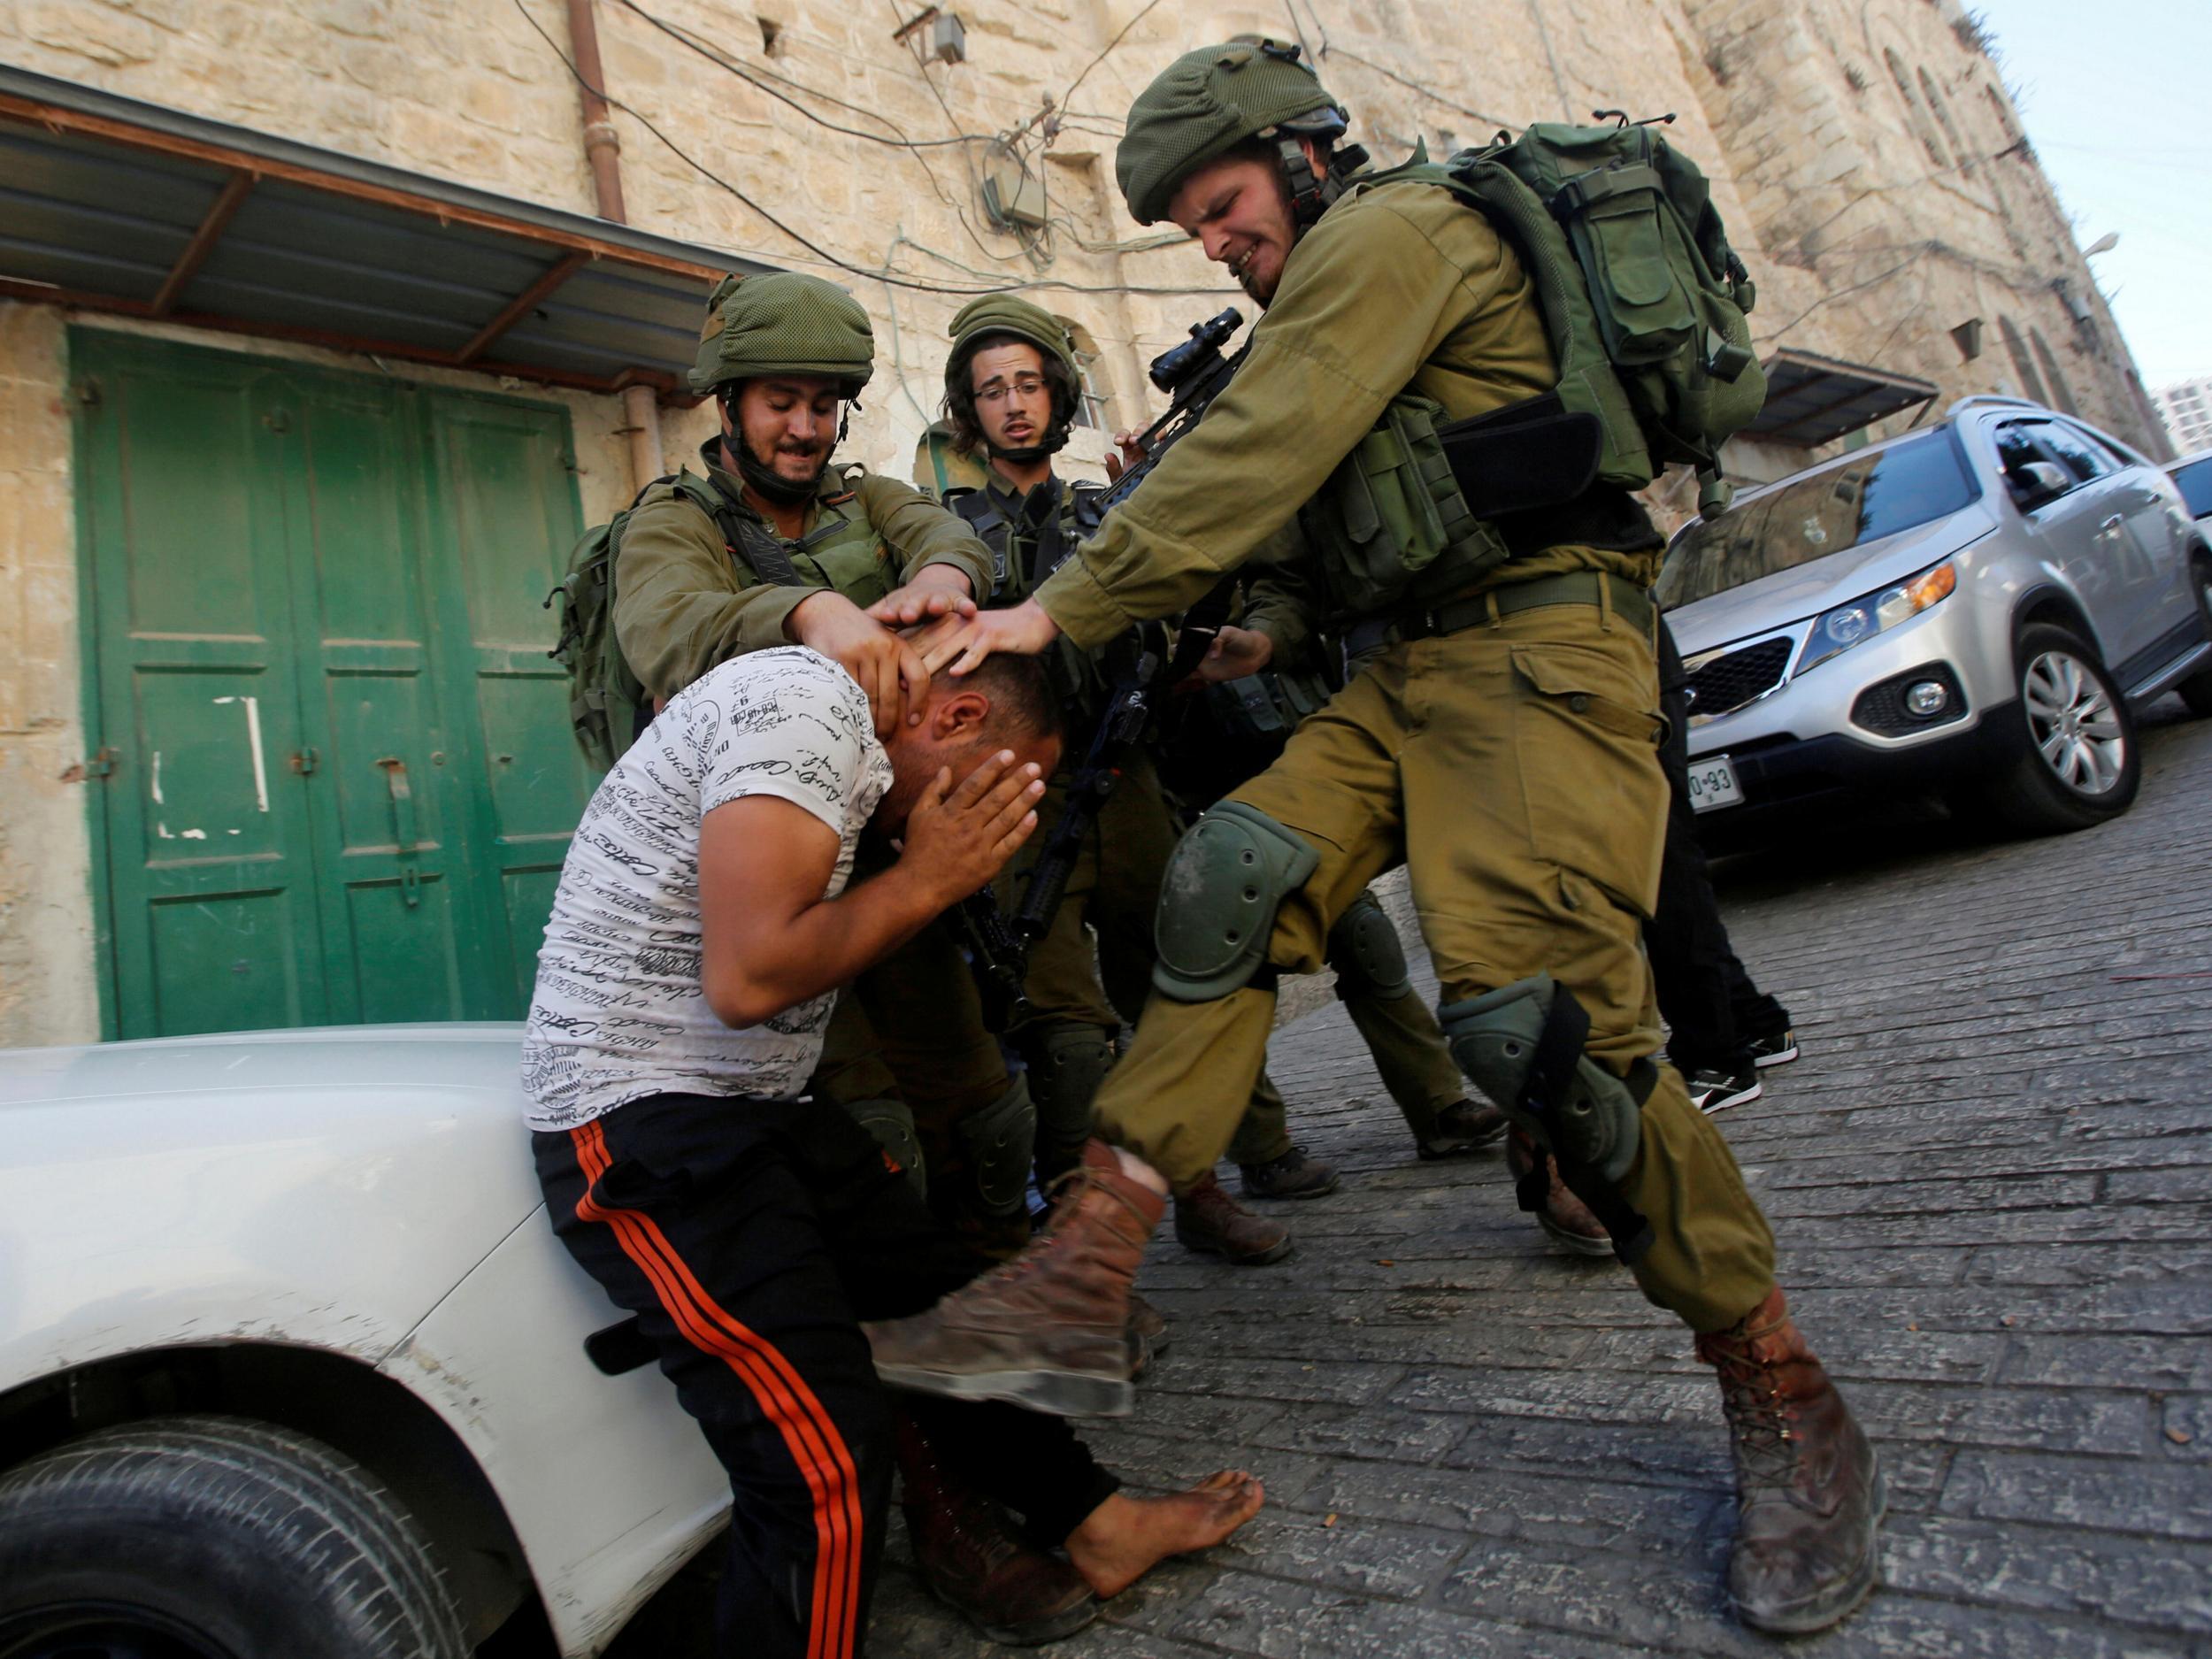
[(603, 149)]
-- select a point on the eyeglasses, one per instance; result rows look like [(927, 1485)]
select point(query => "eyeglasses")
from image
[(997, 391)]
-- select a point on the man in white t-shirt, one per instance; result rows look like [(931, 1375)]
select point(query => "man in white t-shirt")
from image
[(703, 925)]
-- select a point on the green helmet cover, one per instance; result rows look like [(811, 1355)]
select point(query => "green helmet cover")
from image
[(781, 322), (1205, 103), (1006, 314)]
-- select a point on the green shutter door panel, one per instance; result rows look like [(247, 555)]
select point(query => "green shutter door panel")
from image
[(343, 781), (504, 516), (392, 931), (210, 862)]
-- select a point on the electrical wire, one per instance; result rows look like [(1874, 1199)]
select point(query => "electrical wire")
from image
[(823, 254), (1430, 93), (1106, 50)]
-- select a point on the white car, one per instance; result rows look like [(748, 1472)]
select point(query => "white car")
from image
[(292, 1367)]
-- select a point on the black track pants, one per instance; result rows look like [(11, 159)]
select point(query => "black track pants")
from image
[(1709, 1004), (750, 1238)]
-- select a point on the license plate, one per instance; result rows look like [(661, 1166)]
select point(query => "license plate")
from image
[(1713, 784)]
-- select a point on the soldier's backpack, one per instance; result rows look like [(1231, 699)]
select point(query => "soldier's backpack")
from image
[(1644, 299), (603, 695)]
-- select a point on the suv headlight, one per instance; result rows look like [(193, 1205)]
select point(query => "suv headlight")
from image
[(1839, 630)]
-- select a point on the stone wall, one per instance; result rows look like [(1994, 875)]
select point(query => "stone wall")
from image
[(1877, 209)]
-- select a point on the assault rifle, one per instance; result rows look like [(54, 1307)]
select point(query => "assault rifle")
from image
[(1192, 374)]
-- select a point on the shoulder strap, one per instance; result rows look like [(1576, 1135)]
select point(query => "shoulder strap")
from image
[(745, 536)]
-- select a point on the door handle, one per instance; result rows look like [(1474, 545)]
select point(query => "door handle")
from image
[(2113, 523), (404, 829)]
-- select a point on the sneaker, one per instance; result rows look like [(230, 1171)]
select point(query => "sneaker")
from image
[(1777, 1048), (1715, 1090), (1463, 1127), (1296, 1174)]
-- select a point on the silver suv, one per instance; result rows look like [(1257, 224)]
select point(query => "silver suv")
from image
[(1973, 609)]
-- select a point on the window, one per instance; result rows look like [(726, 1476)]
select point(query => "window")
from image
[(2075, 452), (1916, 112), (1943, 117), (2062, 393), (1916, 482), (2023, 366), (2196, 488), (1091, 410)]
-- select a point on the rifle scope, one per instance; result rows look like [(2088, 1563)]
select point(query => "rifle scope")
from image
[(1178, 364)]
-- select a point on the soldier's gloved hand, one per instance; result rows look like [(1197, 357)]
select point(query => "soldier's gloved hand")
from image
[(937, 590), (959, 836), (889, 670), (1234, 653), (963, 642)]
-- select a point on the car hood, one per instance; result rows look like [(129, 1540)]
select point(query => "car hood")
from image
[(319, 1187), (1792, 595)]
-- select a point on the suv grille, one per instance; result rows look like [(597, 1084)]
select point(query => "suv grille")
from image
[(1729, 682)]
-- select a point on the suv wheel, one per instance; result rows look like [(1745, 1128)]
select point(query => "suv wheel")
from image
[(2196, 691), (2075, 761), (212, 1538)]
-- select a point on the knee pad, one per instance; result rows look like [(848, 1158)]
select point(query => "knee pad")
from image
[(1523, 1047), (1369, 958), (1067, 1063), (1218, 901), (1000, 1140), (892, 1123)]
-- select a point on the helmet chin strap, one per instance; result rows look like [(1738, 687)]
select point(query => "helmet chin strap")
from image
[(1311, 194)]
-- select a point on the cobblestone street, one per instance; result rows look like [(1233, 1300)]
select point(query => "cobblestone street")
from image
[(1991, 1179)]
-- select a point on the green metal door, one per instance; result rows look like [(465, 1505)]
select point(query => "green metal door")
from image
[(304, 817)]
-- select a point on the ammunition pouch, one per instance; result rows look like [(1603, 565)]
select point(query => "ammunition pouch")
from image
[(1393, 510), (1523, 1047), (1218, 901), (1369, 958), (892, 1123), (1000, 1140)]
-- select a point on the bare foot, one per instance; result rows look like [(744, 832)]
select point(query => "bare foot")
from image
[(1124, 1538)]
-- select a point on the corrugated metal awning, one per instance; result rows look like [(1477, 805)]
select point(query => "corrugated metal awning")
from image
[(110, 205), (1812, 400)]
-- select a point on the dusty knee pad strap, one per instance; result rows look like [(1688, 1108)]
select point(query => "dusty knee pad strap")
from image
[(892, 1123), (1368, 956), (1000, 1140), (1217, 902)]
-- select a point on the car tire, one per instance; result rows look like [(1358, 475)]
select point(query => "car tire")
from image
[(2196, 691), (2075, 762), (212, 1538)]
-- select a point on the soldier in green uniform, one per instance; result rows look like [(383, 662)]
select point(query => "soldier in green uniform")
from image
[(1012, 385), (1501, 738), (795, 551)]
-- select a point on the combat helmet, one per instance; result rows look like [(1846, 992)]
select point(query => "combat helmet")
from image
[(1001, 317), (781, 322), (1207, 102)]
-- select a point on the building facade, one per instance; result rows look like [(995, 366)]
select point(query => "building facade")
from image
[(316, 564), (2187, 408)]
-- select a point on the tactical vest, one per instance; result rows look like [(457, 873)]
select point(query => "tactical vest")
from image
[(842, 551), (1023, 555), (1644, 304)]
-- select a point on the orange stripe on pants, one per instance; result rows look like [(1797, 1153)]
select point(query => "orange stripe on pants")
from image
[(808, 1433)]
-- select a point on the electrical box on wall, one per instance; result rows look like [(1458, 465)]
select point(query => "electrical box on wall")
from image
[(1014, 198)]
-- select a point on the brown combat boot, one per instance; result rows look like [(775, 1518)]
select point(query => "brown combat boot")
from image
[(1564, 1218), (1463, 1127), (973, 1560), (1207, 1218), (1809, 1486), (1051, 1329)]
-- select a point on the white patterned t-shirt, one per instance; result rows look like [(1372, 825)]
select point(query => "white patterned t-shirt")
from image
[(620, 1011)]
